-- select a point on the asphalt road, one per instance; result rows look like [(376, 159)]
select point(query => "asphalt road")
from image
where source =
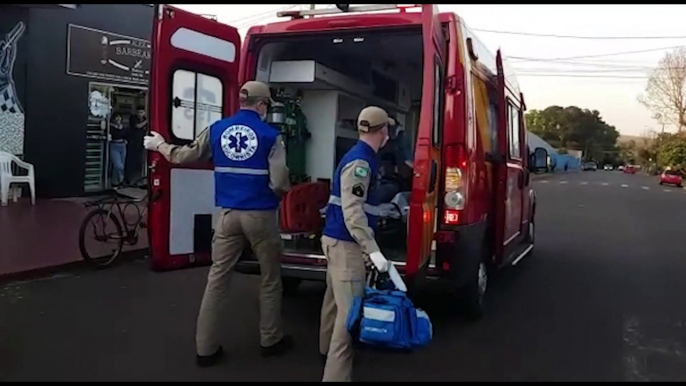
[(601, 299)]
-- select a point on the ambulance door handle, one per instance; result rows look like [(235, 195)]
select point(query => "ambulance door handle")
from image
[(432, 177)]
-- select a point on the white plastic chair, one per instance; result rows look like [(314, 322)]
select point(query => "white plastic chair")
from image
[(7, 178)]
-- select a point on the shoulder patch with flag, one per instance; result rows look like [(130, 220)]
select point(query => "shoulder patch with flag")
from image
[(361, 171)]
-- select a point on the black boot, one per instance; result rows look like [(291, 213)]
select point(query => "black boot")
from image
[(281, 347), (209, 360)]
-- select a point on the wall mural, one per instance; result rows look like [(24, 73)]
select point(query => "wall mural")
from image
[(11, 110)]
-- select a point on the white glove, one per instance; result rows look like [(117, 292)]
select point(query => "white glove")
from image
[(153, 141), (382, 265), (397, 279)]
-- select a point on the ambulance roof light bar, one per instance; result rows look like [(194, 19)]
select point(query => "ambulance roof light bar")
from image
[(345, 8)]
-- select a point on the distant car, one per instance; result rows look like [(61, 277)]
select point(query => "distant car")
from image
[(590, 166), (671, 177), (608, 167), (621, 168), (629, 169)]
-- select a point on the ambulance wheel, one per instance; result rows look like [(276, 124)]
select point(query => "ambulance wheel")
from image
[(475, 292), (290, 285)]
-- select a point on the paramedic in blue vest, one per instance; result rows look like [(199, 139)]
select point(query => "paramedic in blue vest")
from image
[(251, 175), (347, 237)]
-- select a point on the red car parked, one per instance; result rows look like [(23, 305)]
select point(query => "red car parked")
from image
[(629, 169), (671, 177)]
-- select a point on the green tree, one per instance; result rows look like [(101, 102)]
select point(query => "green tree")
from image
[(672, 152), (575, 128), (628, 152)]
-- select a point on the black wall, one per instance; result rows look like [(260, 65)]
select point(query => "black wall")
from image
[(57, 103)]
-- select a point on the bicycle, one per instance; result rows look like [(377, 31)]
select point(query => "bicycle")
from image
[(111, 242)]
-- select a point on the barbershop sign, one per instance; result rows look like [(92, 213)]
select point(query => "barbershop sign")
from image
[(108, 56)]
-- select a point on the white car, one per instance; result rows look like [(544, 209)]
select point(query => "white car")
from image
[(620, 168), (592, 166), (608, 167)]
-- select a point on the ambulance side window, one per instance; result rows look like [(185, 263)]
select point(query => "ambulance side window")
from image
[(197, 102), (514, 128)]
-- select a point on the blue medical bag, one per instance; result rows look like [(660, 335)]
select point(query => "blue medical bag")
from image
[(387, 318)]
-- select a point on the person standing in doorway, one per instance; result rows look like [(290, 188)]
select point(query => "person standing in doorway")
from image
[(251, 176), (118, 134), (349, 235), (138, 127)]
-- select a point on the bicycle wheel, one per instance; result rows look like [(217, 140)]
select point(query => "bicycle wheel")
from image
[(103, 228)]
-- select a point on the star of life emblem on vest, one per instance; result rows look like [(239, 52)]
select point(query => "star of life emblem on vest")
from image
[(239, 142)]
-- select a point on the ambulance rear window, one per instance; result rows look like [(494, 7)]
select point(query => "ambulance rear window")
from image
[(197, 102)]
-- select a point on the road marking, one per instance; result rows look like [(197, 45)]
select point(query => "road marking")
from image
[(584, 183), (667, 190), (543, 182), (563, 182), (605, 184), (648, 344), (633, 369), (645, 188), (625, 186)]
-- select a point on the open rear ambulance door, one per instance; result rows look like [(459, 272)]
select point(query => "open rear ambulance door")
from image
[(511, 172), (194, 82), (427, 154), (501, 167)]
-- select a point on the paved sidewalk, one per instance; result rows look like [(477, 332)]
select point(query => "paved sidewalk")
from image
[(43, 236)]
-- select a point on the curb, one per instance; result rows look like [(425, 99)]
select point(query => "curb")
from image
[(548, 175), (44, 272), (535, 177)]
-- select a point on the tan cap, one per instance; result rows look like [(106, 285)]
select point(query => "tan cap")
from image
[(372, 117), (255, 89)]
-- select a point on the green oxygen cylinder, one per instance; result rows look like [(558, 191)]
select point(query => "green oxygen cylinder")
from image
[(296, 144), (287, 116)]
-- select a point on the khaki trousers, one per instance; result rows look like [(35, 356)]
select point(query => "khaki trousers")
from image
[(345, 279), (233, 229)]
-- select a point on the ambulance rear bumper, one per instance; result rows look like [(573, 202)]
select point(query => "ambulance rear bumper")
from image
[(296, 271)]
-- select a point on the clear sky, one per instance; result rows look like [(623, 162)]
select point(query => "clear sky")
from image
[(607, 83)]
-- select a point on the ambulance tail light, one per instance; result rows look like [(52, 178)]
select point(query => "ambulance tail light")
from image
[(455, 174)]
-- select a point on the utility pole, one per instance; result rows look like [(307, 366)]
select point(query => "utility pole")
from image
[(658, 117)]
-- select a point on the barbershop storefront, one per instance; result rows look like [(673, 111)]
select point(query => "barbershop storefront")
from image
[(65, 70)]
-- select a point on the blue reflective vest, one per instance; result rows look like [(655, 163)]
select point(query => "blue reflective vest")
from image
[(335, 225), (240, 150)]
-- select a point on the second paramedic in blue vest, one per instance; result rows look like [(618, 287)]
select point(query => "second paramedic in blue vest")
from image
[(251, 175), (349, 235)]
